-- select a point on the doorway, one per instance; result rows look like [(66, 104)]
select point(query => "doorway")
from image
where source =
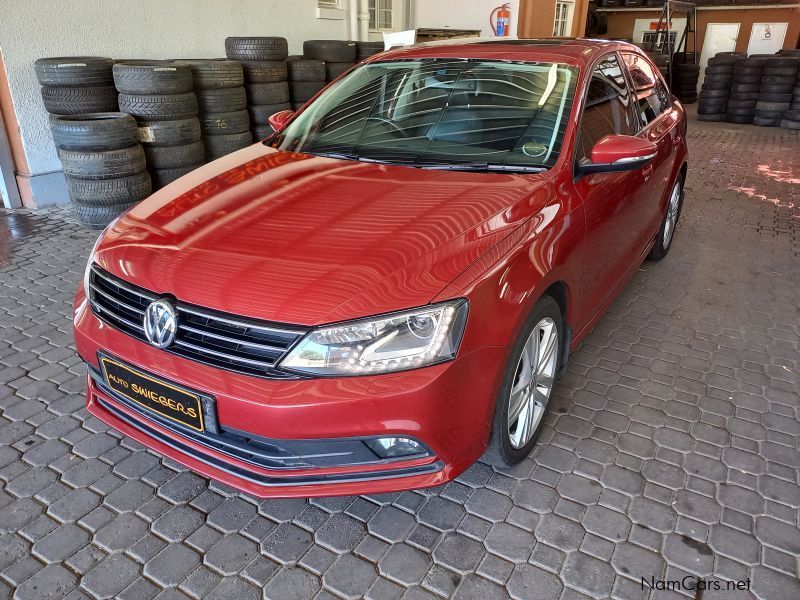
[(720, 37)]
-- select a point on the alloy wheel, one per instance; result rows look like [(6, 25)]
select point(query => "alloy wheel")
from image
[(672, 214), (533, 382)]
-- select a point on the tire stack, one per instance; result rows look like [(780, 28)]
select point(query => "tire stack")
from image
[(366, 49), (159, 96), (791, 118), (103, 162), (661, 61), (74, 85), (744, 90), (306, 78), (222, 102), (776, 92), (264, 62), (717, 86), (338, 56), (685, 76)]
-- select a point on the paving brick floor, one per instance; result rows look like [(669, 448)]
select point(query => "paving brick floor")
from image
[(672, 448)]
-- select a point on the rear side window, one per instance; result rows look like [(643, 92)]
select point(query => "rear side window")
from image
[(651, 93), (608, 108)]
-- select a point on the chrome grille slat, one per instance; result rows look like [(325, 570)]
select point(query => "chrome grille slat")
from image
[(202, 336)]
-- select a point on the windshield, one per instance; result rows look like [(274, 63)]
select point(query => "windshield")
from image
[(440, 112)]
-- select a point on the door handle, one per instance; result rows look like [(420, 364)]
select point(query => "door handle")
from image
[(676, 141), (647, 171)]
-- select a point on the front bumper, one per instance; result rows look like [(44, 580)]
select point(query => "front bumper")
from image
[(447, 407)]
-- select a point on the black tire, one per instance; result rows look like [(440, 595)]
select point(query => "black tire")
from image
[(217, 100), (303, 91), (259, 113), (256, 48), (766, 121), (776, 98), (261, 132), (706, 110), (215, 73), (713, 83), (267, 93), (750, 96), (706, 93), (154, 78), (94, 131), (745, 87), (220, 145), (782, 80), (108, 192), (103, 165), (725, 59), (225, 123), (366, 49), (793, 114), (740, 112), (334, 70), (500, 452), (162, 177), (776, 71), (748, 104), (330, 50), (159, 107), (753, 79), (169, 133), (772, 106), (790, 124), (74, 71), (660, 247), (79, 100), (171, 157), (722, 70), (98, 217), (265, 71), (306, 69), (713, 117), (739, 119)]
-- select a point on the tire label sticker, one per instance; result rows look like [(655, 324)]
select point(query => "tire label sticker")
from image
[(146, 134), (157, 69), (60, 65)]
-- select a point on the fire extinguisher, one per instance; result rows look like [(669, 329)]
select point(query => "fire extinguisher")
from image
[(500, 20)]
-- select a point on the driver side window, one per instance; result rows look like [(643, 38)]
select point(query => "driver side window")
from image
[(608, 109)]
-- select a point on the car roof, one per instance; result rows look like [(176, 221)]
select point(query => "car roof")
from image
[(576, 51)]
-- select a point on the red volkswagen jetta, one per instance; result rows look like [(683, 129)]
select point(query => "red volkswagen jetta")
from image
[(386, 289)]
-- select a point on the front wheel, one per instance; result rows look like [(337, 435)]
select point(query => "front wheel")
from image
[(670, 222), (527, 385)]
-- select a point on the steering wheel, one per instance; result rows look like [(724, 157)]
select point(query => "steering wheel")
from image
[(391, 124)]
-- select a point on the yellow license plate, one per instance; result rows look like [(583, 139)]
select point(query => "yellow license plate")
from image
[(153, 394)]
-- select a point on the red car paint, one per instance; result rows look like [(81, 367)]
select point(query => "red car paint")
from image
[(306, 240)]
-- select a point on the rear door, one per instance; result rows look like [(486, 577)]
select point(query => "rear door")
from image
[(608, 198), (659, 124)]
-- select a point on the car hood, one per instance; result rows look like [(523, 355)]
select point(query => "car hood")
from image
[(301, 239)]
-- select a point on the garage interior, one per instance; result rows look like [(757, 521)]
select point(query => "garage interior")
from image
[(671, 451)]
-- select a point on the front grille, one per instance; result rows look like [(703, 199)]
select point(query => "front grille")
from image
[(206, 336)]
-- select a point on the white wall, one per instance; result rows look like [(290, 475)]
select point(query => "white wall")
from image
[(134, 29), (460, 14)]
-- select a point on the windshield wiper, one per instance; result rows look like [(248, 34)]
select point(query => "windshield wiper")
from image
[(479, 166)]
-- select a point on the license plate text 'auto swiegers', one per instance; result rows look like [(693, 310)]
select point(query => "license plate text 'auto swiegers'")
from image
[(153, 394)]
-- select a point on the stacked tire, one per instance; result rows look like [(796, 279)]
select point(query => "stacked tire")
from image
[(791, 118), (159, 96), (717, 87), (338, 56), (104, 164), (74, 85), (661, 61), (222, 102), (744, 92), (685, 75), (264, 63), (366, 49), (306, 78), (776, 92)]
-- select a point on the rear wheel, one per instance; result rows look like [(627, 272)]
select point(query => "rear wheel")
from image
[(671, 216), (527, 386)]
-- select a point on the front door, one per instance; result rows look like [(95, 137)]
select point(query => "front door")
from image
[(608, 198)]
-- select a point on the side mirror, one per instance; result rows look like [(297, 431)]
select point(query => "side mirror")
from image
[(615, 153), (278, 120)]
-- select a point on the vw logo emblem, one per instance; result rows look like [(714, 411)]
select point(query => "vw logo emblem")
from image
[(160, 323)]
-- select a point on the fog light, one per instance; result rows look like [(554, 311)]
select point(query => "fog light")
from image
[(393, 447)]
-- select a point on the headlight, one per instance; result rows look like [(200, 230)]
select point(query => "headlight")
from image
[(395, 342)]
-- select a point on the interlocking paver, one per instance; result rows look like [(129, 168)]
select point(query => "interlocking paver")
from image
[(673, 446)]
